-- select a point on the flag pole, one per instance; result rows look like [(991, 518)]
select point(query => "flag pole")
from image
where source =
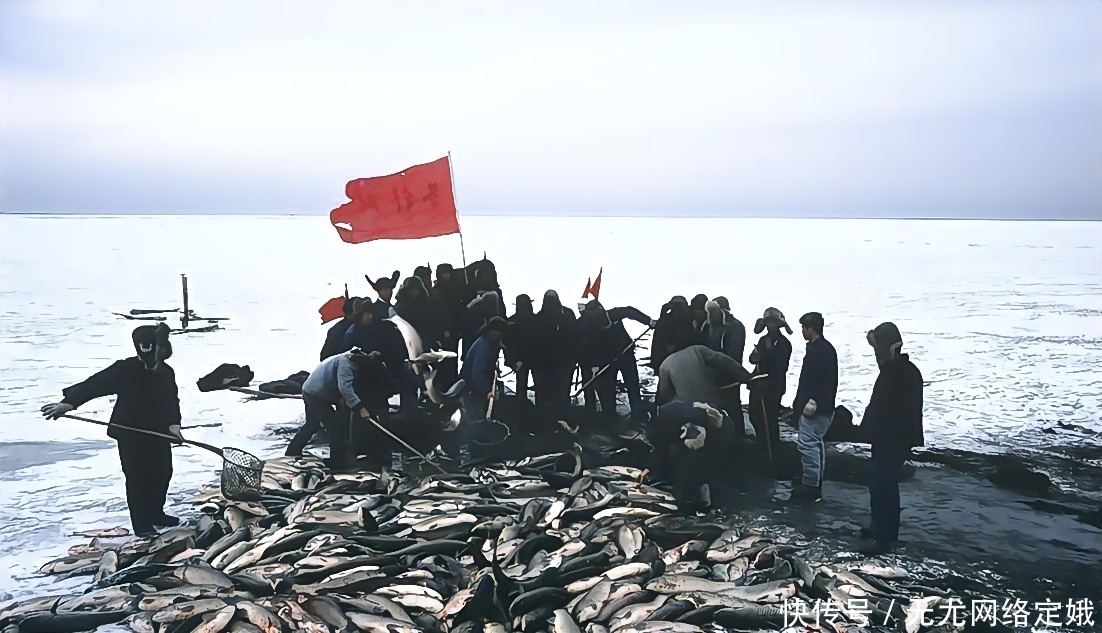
[(462, 247)]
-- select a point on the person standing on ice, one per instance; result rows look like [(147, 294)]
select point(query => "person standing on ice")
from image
[(893, 424), (555, 355), (607, 350), (725, 334), (520, 341), (147, 398), (814, 403), (479, 375), (770, 358)]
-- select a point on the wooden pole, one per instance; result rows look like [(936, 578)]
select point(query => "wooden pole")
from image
[(187, 313), (462, 247)]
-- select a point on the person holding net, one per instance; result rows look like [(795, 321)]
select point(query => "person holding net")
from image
[(147, 398)]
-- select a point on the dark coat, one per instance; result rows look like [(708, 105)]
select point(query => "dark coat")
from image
[(556, 330), (818, 378), (605, 339), (334, 338), (727, 337), (521, 341), (145, 399), (772, 355), (675, 325), (415, 307), (893, 419), (449, 308)]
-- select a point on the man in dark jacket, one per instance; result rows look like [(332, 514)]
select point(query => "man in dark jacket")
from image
[(424, 273), (335, 336), (699, 309), (606, 350), (450, 310), (555, 354), (371, 335), (146, 398), (384, 287), (414, 307), (723, 333), (520, 342), (814, 403), (893, 424), (674, 322), (770, 358)]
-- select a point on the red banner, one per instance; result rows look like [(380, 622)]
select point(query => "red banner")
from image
[(593, 289), (408, 205)]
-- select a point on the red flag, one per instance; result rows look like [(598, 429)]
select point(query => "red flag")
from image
[(332, 310), (588, 282), (594, 288), (408, 205)]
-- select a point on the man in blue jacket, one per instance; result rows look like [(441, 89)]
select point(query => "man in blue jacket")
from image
[(328, 395), (370, 334), (893, 424), (814, 404), (479, 374)]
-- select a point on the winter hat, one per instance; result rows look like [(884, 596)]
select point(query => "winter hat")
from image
[(151, 343), (524, 300), (679, 299), (771, 314), (348, 308), (886, 342), (723, 303), (443, 269), (361, 305), (699, 302), (385, 282), (713, 307), (599, 313), (497, 324), (423, 272)]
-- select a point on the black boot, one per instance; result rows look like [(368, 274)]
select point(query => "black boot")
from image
[(144, 530), (165, 520)]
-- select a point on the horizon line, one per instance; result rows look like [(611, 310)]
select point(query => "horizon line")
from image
[(686, 216)]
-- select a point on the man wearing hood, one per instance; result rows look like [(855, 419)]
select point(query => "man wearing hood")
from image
[(690, 439), (414, 307), (893, 424), (814, 403), (450, 310), (699, 309), (424, 273), (147, 398), (695, 373), (723, 333), (330, 397), (520, 341), (607, 350), (335, 336), (555, 354), (384, 287), (770, 358), (674, 322)]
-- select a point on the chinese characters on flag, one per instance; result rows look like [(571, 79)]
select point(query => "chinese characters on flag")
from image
[(408, 205)]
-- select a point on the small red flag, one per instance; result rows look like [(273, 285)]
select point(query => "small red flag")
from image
[(408, 205), (332, 310), (588, 282), (594, 289)]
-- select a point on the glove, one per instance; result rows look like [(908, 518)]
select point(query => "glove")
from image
[(697, 442), (55, 411), (810, 408), (715, 417), (363, 413), (174, 430), (653, 324)]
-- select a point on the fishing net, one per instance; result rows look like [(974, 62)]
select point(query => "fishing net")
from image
[(241, 475)]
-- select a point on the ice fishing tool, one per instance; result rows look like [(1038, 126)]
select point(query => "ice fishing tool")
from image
[(614, 360), (241, 471), (403, 443), (264, 394)]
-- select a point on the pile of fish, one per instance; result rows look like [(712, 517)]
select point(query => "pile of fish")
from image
[(534, 545)]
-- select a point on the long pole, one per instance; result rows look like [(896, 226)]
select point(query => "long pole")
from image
[(462, 247), (187, 312), (618, 356)]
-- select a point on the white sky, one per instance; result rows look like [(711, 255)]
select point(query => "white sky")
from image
[(918, 108)]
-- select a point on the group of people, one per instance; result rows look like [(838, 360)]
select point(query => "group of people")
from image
[(697, 352)]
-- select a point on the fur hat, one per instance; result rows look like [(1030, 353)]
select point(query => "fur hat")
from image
[(361, 305), (443, 269), (384, 282), (723, 303), (886, 342), (699, 302), (771, 314)]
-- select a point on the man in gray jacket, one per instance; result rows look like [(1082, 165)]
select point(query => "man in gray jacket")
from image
[(697, 374), (328, 395)]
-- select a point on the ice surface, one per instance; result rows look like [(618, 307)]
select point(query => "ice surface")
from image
[(1002, 318)]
